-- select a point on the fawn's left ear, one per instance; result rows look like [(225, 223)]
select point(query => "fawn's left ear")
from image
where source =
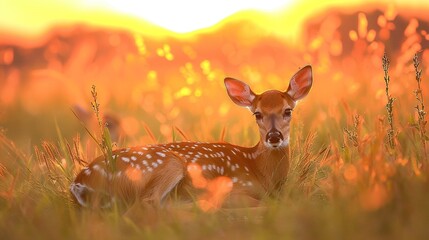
[(300, 83), (239, 92)]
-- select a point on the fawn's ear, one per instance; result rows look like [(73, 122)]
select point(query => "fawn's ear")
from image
[(239, 92), (300, 83)]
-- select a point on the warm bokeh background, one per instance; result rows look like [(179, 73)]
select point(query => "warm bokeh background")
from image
[(149, 75), (162, 69)]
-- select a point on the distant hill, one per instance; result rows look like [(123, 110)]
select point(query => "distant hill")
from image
[(241, 31)]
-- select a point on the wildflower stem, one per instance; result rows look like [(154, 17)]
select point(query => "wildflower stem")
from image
[(106, 142), (420, 107), (389, 105)]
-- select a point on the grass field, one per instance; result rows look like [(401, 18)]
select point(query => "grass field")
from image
[(359, 170)]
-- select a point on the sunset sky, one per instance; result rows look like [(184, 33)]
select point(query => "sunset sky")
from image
[(177, 16)]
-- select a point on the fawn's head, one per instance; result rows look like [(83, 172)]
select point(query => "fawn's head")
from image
[(272, 109)]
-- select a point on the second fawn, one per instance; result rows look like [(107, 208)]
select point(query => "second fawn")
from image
[(154, 172)]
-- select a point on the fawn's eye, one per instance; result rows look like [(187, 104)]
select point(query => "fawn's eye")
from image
[(257, 115), (287, 113)]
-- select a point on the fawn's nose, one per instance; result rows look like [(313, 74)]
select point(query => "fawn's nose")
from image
[(274, 138)]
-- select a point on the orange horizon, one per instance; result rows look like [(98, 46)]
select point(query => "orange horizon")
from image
[(295, 17)]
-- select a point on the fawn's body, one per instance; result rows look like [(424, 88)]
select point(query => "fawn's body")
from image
[(183, 169)]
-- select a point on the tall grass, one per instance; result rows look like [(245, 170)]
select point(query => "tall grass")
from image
[(337, 188)]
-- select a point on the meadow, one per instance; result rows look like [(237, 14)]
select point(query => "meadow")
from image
[(359, 168)]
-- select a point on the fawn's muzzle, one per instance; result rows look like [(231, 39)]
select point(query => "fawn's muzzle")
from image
[(274, 138)]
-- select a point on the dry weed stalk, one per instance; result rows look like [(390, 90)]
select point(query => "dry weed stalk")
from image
[(353, 133), (389, 105), (75, 152), (420, 107), (57, 171), (106, 142)]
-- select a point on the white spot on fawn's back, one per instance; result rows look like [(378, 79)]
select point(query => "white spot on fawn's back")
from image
[(161, 154), (87, 171), (99, 169)]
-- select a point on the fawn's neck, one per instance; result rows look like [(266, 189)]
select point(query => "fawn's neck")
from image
[(271, 165)]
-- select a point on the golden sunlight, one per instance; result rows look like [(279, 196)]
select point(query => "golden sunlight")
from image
[(186, 15), (123, 104), (176, 16), (160, 17)]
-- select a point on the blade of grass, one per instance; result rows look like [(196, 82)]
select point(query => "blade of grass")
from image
[(182, 134)]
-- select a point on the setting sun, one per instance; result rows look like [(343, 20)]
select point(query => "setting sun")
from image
[(187, 15), (176, 16)]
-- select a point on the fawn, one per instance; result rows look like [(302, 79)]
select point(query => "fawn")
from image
[(153, 172)]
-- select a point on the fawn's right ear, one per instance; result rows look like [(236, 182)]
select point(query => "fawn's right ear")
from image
[(239, 92), (301, 83)]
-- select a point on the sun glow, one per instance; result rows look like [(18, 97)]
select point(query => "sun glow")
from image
[(162, 18), (175, 16), (186, 15), (159, 71)]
